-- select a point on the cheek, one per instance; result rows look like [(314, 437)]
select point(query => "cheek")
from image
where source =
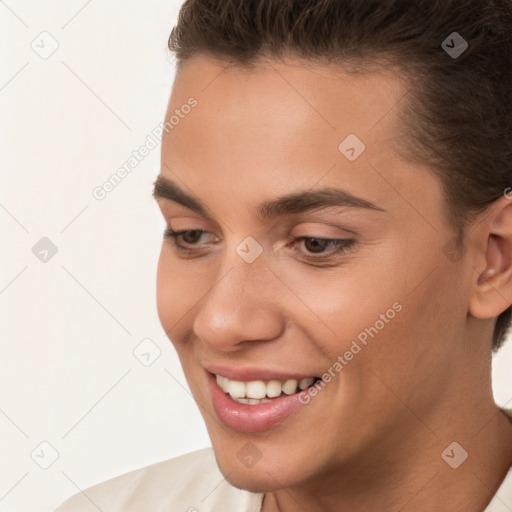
[(170, 294), (180, 286), (391, 315), (343, 305), (163, 290), (414, 354)]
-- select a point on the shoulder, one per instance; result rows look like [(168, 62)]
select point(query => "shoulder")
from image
[(190, 483)]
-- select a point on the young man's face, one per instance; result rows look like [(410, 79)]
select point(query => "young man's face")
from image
[(382, 313)]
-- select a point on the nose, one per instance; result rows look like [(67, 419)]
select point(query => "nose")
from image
[(241, 306)]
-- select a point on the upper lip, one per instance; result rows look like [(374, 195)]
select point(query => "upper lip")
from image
[(247, 374)]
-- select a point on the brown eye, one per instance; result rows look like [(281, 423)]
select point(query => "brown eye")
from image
[(315, 244), (192, 236), (315, 248)]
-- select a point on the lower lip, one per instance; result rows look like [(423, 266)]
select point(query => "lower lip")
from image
[(251, 418)]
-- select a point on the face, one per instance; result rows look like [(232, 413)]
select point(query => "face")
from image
[(346, 281)]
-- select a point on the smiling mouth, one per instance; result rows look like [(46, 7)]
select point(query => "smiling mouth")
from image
[(257, 392)]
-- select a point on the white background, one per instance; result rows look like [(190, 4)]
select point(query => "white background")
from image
[(69, 326)]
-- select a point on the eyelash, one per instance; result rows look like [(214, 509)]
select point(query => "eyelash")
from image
[(341, 246)]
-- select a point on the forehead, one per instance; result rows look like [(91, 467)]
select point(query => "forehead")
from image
[(329, 96), (291, 104), (277, 123)]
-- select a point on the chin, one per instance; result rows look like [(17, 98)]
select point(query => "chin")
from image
[(254, 484), (265, 476), (254, 480)]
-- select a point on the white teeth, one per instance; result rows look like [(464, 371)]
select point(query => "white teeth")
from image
[(236, 388), (251, 401), (274, 388), (241, 400), (290, 387), (256, 391)]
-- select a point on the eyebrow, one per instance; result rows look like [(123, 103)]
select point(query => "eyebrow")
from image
[(293, 203)]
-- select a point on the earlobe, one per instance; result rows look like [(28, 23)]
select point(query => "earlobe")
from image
[(492, 292)]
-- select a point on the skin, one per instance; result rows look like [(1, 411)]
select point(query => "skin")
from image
[(423, 382)]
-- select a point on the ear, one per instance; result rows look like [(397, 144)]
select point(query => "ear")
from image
[(493, 285)]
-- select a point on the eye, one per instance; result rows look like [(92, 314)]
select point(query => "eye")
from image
[(316, 248), (189, 236)]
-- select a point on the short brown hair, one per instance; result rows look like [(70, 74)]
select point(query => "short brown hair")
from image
[(458, 118)]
